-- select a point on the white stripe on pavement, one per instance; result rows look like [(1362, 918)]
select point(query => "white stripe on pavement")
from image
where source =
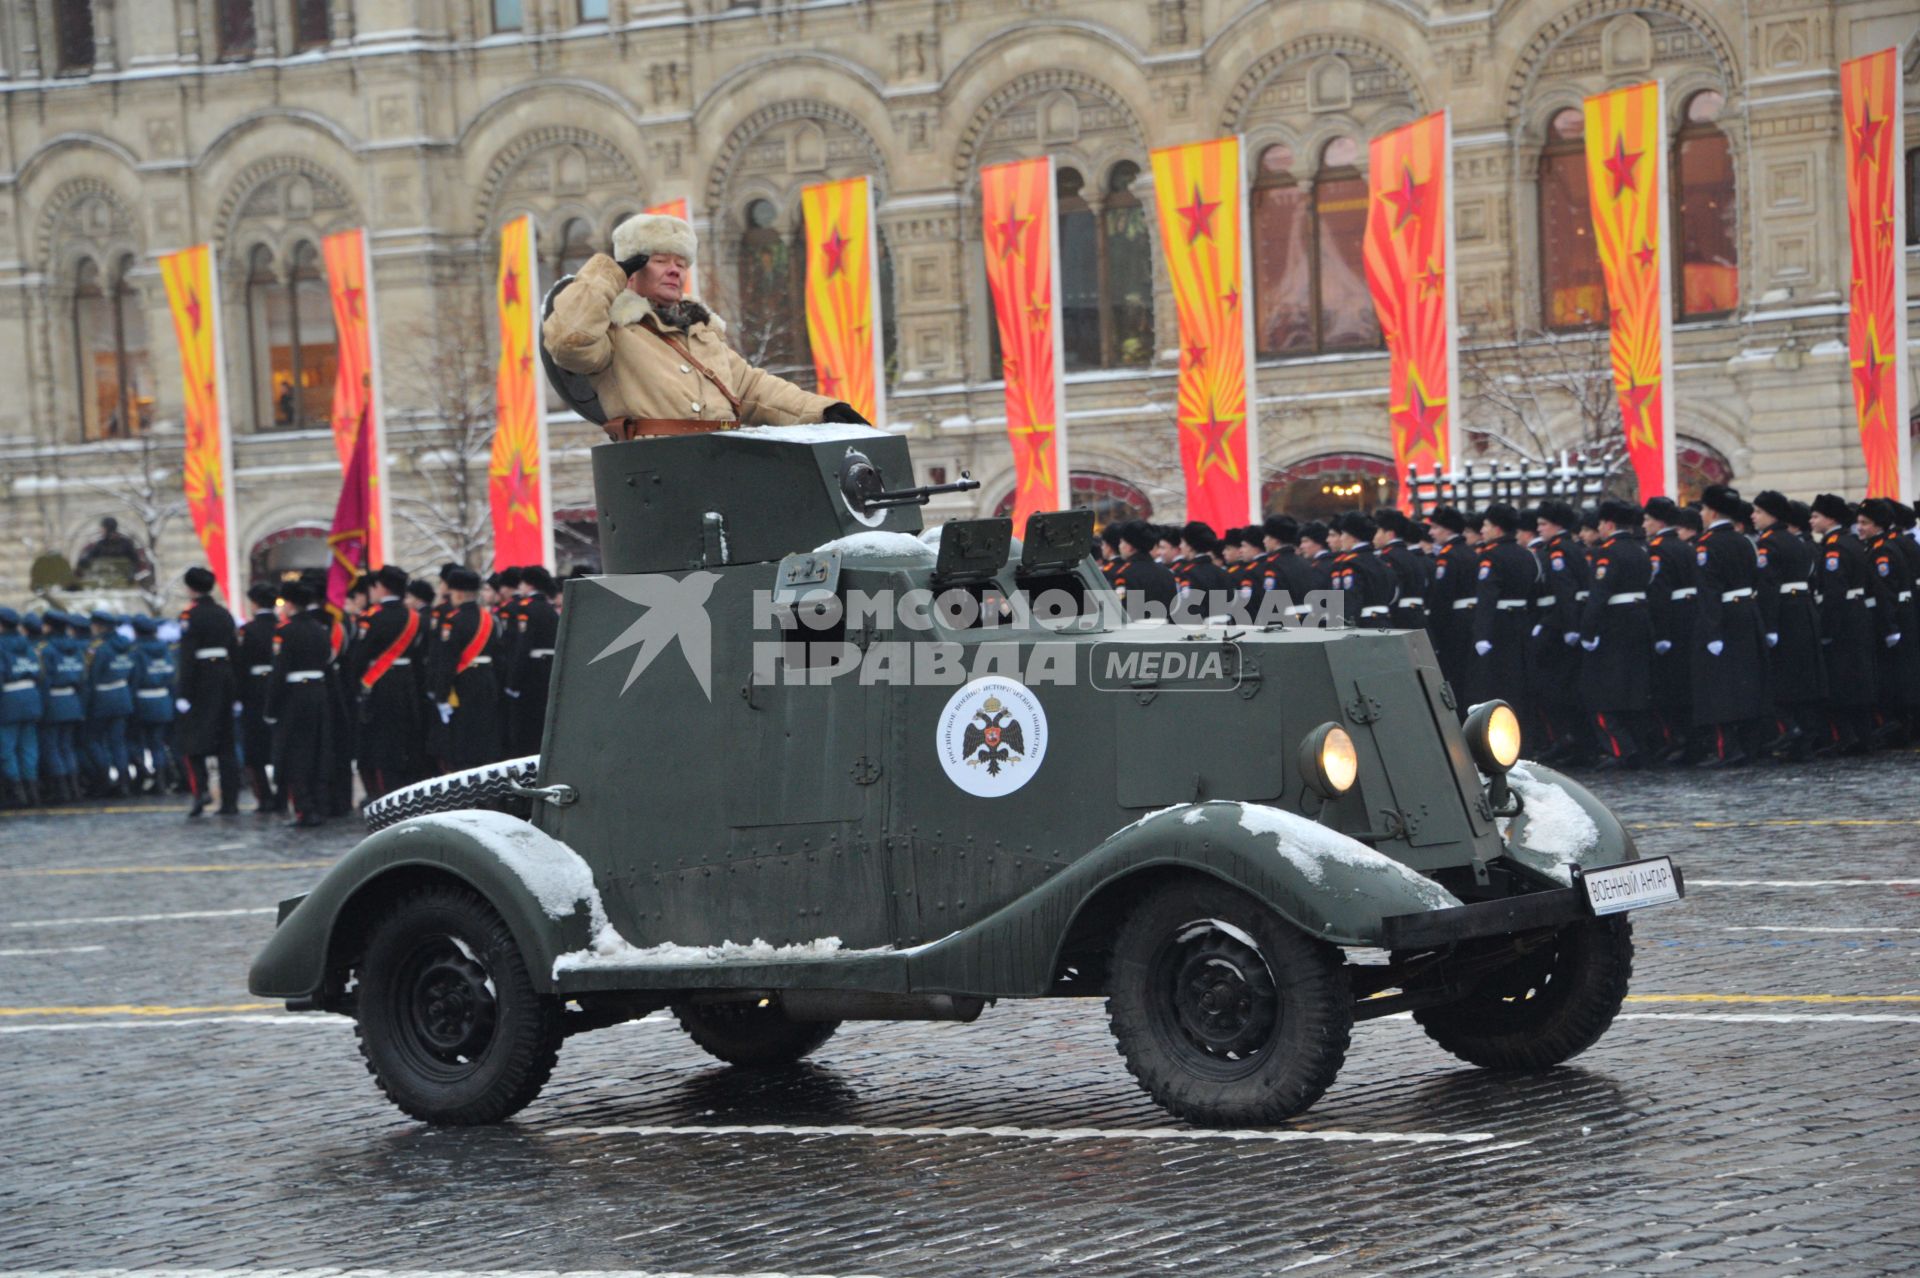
[(1773, 1018), (1052, 1134), (1782, 927), (53, 949), (143, 918), (399, 1273), (257, 1018), (1797, 883)]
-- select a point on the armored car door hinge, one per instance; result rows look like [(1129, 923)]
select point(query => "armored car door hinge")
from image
[(558, 795), (1363, 709), (1249, 677), (1447, 698), (865, 771)]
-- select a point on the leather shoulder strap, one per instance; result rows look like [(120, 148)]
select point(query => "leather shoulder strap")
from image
[(681, 350)]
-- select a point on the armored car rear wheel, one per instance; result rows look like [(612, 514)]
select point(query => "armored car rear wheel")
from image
[(449, 1021), (1547, 1007), (749, 1034), (1225, 1012)]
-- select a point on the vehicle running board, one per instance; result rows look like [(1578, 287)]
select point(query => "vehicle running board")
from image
[(857, 1005)]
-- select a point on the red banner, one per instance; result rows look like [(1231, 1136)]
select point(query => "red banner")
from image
[(1877, 307), (517, 487), (358, 536), (1626, 166), (1023, 272), (1198, 189), (207, 468), (843, 295), (1409, 253)]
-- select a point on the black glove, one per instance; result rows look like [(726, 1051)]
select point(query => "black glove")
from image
[(844, 415)]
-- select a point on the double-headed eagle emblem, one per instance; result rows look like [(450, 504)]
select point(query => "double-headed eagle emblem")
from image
[(993, 737)]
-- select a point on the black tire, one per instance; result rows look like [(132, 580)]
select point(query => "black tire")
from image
[(448, 1019), (1546, 1008), (749, 1035), (1219, 1031), (488, 787)]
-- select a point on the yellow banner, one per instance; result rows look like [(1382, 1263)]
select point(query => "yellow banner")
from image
[(1202, 219), (517, 487), (1023, 274), (356, 401), (207, 468), (1877, 305), (843, 295)]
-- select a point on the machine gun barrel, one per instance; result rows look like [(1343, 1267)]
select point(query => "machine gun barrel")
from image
[(921, 495)]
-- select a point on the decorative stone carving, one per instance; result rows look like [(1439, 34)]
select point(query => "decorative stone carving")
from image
[(1330, 85), (806, 148), (1626, 45), (1059, 119)]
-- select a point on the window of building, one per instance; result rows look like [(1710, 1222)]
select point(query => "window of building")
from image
[(1079, 272), (576, 246), (507, 15), (236, 30), (73, 35), (290, 327), (593, 10), (1708, 237), (1913, 196), (114, 365), (773, 318), (1573, 289), (1126, 248), (312, 24), (1309, 255)]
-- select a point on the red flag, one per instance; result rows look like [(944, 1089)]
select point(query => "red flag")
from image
[(1023, 273), (358, 536), (347, 538), (1877, 303), (517, 487), (843, 295)]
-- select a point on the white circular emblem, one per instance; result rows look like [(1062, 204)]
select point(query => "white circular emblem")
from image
[(992, 737)]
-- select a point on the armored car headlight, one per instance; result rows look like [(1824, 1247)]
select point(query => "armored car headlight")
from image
[(1493, 734), (1328, 762)]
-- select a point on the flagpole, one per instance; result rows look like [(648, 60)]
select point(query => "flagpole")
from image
[(876, 323), (539, 400), (1902, 377), (1063, 477), (1251, 426), (1454, 428), (379, 545), (1669, 375)]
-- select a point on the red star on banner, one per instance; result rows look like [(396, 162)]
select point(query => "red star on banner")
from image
[(1010, 366), (1633, 403), (1418, 416), (1866, 373), (835, 247), (1216, 437), (829, 384), (1231, 297), (1868, 132), (1621, 165), (193, 310), (526, 363), (1433, 280), (353, 301), (510, 290), (1645, 255), (1410, 199), (1196, 356), (1037, 311), (1038, 440), (1011, 232), (1199, 215)]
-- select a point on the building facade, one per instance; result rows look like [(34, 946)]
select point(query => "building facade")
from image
[(132, 129)]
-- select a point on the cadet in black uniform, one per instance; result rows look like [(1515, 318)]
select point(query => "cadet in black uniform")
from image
[(1315, 550), (206, 692), (381, 676), (1392, 533), (1840, 586), (1284, 569), (1556, 635), (1207, 591), (298, 704), (1616, 635), (1506, 576), (1139, 580), (420, 600), (531, 671), (1670, 601), (461, 677), (1450, 600), (1360, 572), (1729, 652), (255, 670), (1796, 670), (1897, 660)]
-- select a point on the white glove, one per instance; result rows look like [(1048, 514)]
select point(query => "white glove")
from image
[(1482, 646), (513, 692), (1572, 637), (1893, 640), (182, 704), (446, 712), (1663, 647), (1773, 640), (236, 707), (1590, 644), (1537, 630), (269, 722), (1716, 646)]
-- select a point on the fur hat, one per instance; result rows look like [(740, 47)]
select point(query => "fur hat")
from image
[(1200, 536), (1664, 509), (1501, 516), (392, 578), (1140, 535), (1879, 511), (1621, 514), (1355, 524), (463, 579), (1775, 503), (199, 579), (422, 589), (1282, 528), (297, 594), (1797, 514), (539, 578), (644, 234), (1689, 518), (262, 594), (1450, 518), (1834, 507), (1559, 512), (1314, 531), (1723, 500)]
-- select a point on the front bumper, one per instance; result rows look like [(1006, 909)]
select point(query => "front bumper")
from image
[(1531, 911)]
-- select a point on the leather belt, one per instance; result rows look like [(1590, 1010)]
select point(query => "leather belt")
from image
[(481, 661), (1375, 610), (151, 692), (305, 676), (1628, 597), (400, 661), (539, 652), (1508, 605), (19, 685), (115, 686), (624, 428), (260, 670), (60, 692), (1547, 601), (1461, 605), (1686, 592), (1728, 596), (1906, 596), (1857, 592), (1580, 595), (1793, 587), (211, 654), (1415, 602)]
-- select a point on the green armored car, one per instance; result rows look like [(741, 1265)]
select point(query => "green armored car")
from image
[(806, 764)]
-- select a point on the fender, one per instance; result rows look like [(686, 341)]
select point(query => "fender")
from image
[(541, 887), (1549, 836), (1324, 883)]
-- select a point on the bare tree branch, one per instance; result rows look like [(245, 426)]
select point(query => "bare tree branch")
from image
[(148, 486), (1516, 392), (451, 371)]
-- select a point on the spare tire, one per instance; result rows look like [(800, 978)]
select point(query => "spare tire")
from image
[(489, 787)]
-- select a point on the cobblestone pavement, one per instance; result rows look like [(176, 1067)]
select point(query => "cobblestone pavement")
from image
[(1756, 1110)]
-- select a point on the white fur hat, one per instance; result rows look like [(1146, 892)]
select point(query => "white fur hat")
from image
[(645, 234)]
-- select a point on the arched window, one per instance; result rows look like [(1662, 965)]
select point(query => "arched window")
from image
[(269, 331), (773, 318), (1079, 271), (110, 346), (291, 338), (1282, 257), (134, 358), (1573, 290), (1346, 318), (1913, 196), (1708, 248), (1126, 249), (73, 36), (312, 25), (316, 350), (237, 34)]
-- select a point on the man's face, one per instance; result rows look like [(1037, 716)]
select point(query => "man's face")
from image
[(1685, 533), (414, 604), (662, 280), (1490, 531), (1311, 547), (1382, 538), (1865, 529), (1820, 524), (1762, 520), (1589, 535)]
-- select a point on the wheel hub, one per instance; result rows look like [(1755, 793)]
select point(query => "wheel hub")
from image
[(1223, 995), (453, 1006)]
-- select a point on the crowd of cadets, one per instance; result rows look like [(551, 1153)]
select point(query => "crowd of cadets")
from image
[(405, 683), (1711, 634)]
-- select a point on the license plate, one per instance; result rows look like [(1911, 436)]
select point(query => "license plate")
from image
[(1614, 888)]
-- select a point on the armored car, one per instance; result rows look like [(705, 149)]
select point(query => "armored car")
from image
[(807, 763)]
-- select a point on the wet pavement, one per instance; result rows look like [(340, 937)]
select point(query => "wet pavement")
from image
[(1757, 1108)]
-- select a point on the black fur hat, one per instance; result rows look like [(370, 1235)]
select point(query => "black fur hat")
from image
[(1775, 503), (1723, 500), (1834, 507), (1501, 516)]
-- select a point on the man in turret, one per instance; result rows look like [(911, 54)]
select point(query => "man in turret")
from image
[(657, 359)]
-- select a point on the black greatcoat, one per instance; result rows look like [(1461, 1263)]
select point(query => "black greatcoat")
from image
[(1284, 570), (1556, 667), (1795, 662), (255, 669), (1141, 578), (1369, 585), (1206, 591), (387, 699), (1898, 666), (1614, 677), (300, 705), (1452, 628), (1410, 577), (206, 680), (473, 732), (1506, 573), (1671, 599), (532, 671), (1846, 624), (1732, 687)]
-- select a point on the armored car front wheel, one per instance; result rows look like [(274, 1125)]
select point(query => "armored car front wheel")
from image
[(751, 1034), (1226, 1013), (1545, 1008), (449, 1021)]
